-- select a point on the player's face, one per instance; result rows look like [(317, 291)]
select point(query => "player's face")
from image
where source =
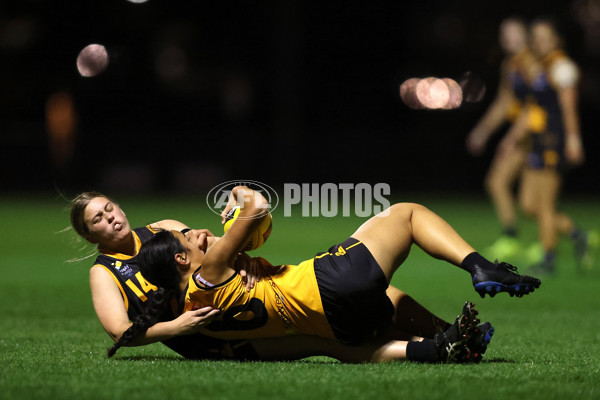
[(513, 37), (106, 222), (543, 39), (194, 243)]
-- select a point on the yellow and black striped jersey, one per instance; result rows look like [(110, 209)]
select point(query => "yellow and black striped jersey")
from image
[(126, 273)]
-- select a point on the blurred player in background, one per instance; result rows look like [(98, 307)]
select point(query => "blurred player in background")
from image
[(506, 167), (554, 130)]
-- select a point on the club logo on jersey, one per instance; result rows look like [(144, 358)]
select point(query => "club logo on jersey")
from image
[(340, 251), (123, 269)]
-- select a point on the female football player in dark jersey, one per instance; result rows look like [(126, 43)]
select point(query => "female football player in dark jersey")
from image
[(120, 295), (339, 294), (119, 292), (506, 167)]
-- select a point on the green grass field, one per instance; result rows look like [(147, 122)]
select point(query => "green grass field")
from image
[(547, 344)]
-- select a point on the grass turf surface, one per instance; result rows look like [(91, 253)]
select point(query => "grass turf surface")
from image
[(546, 346)]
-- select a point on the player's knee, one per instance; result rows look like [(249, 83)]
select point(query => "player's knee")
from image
[(407, 211), (406, 208), (528, 208), (493, 184)]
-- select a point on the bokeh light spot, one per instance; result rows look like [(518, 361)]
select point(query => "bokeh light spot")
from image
[(92, 60), (455, 94), (408, 93), (432, 93)]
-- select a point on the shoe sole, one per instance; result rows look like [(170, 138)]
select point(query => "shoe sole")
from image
[(492, 288), (476, 356), (459, 352), (467, 320)]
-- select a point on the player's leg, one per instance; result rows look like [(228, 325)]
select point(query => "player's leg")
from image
[(548, 186), (528, 194), (297, 347), (528, 200), (564, 224), (412, 318), (543, 185), (582, 241), (499, 182), (452, 345), (463, 341), (390, 234), (553, 224), (504, 171)]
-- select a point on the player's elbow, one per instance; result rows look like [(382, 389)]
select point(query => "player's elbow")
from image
[(114, 335), (116, 332)]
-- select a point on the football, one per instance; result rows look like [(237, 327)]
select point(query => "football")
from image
[(258, 237)]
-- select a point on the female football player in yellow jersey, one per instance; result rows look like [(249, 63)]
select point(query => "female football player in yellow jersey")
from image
[(339, 294), (506, 167), (556, 141), (120, 295)]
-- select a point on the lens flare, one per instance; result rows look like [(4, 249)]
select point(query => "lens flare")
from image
[(455, 94), (408, 93), (92, 60), (433, 93), (473, 87)]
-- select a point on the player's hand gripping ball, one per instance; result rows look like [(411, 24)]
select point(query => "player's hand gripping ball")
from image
[(259, 236)]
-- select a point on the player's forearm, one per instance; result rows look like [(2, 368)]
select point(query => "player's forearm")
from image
[(520, 129), (570, 116), (157, 333), (492, 120), (168, 225)]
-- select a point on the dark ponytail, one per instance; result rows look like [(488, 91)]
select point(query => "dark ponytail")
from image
[(157, 303), (157, 264)]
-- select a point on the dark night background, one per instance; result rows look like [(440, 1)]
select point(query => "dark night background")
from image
[(197, 93)]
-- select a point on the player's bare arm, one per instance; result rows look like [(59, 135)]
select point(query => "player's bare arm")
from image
[(110, 309), (218, 263)]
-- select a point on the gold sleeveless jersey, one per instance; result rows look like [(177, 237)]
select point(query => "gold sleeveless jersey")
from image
[(284, 303)]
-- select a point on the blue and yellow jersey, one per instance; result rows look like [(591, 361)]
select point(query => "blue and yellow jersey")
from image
[(545, 115), (516, 73), (284, 303), (558, 71)]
